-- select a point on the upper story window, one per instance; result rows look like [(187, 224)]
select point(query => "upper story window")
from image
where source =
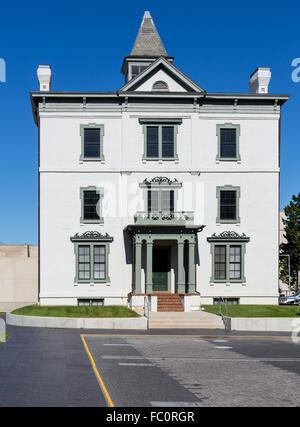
[(228, 204), (228, 142), (137, 69), (160, 201), (160, 86), (160, 139), (92, 142), (91, 205)]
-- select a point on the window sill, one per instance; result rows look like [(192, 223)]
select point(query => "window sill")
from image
[(237, 160), (96, 159), (86, 221)]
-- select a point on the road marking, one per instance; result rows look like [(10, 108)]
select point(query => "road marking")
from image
[(177, 404), (237, 337), (122, 345), (223, 347), (220, 340), (136, 364), (200, 341), (104, 389)]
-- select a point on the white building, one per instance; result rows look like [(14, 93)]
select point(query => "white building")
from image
[(158, 188)]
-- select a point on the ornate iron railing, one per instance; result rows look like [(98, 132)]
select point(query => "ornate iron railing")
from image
[(164, 218)]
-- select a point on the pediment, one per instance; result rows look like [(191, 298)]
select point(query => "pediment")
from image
[(161, 76)]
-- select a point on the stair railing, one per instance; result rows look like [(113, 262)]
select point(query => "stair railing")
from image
[(223, 302), (147, 310)]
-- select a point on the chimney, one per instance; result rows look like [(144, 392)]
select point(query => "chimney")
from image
[(259, 80), (44, 77)]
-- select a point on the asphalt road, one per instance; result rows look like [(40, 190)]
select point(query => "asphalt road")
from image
[(51, 367)]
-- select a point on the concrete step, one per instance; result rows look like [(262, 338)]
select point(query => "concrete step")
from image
[(180, 320)]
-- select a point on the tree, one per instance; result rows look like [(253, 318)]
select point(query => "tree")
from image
[(292, 245)]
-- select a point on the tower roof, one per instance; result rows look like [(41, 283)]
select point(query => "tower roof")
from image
[(148, 42)]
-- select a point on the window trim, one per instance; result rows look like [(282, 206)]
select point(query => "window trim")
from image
[(228, 239), (237, 127), (237, 219), (99, 191), (92, 239), (92, 126), (160, 123)]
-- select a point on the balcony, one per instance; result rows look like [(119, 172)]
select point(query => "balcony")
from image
[(164, 218)]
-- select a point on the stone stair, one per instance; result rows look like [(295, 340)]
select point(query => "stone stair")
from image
[(169, 303), (178, 320)]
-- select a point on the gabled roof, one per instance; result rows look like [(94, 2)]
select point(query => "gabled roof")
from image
[(148, 42), (174, 72)]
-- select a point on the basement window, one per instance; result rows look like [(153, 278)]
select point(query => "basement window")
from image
[(91, 302)]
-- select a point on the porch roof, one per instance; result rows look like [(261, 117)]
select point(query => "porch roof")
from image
[(134, 229)]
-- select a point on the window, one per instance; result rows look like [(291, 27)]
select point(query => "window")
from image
[(92, 142), (137, 69), (91, 205), (228, 204), (92, 254), (160, 139), (160, 142), (160, 86), (160, 201), (228, 142), (229, 301), (90, 302), (228, 254)]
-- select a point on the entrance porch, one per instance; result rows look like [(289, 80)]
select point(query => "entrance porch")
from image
[(164, 263)]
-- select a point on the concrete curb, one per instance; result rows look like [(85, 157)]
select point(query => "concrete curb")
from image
[(71, 323), (263, 324)]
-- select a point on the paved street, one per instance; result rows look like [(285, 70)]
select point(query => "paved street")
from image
[(44, 367)]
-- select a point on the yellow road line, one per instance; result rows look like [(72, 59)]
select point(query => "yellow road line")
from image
[(110, 402)]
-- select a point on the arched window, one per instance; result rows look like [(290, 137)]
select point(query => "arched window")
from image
[(160, 86)]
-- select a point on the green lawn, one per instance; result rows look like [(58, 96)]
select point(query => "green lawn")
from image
[(77, 312), (256, 310), (7, 336)]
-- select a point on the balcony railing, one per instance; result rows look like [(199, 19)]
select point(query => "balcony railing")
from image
[(164, 218)]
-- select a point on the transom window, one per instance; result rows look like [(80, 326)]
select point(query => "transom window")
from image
[(228, 204), (160, 86), (92, 142), (228, 142), (91, 205)]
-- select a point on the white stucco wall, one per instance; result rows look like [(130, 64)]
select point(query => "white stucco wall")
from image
[(62, 174)]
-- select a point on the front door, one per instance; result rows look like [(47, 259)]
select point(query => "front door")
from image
[(161, 269)]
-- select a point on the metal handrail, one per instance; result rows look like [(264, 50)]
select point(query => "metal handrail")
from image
[(147, 310), (223, 301)]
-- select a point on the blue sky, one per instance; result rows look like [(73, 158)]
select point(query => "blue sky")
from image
[(217, 43)]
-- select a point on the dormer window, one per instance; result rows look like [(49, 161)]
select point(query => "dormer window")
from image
[(160, 86)]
